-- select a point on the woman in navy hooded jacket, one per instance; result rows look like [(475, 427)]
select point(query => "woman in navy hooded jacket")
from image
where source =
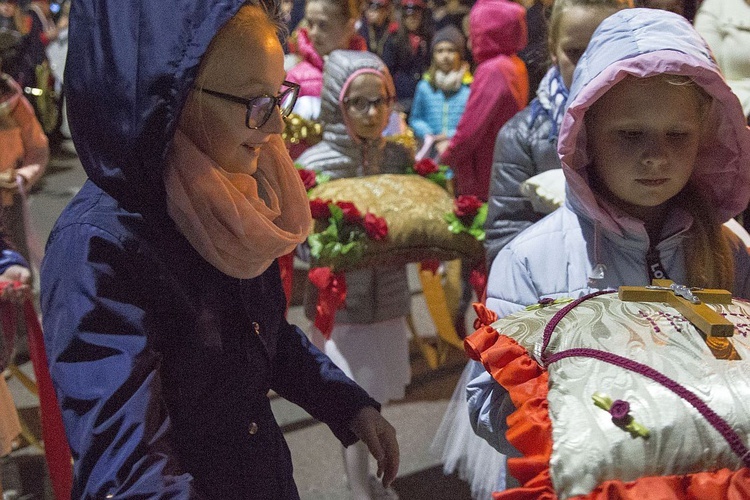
[(163, 308)]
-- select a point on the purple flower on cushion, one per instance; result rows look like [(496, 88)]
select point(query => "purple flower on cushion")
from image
[(546, 301), (620, 411)]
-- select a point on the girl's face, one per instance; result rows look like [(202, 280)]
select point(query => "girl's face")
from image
[(377, 13), (643, 138), (328, 29), (412, 19), (446, 57), (576, 25), (367, 106), (245, 63)]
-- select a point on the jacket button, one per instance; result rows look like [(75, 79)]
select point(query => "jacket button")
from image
[(256, 328), (253, 429)]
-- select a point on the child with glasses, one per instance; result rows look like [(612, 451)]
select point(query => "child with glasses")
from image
[(370, 338), (164, 314)]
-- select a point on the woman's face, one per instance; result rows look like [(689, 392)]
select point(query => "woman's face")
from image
[(577, 24), (328, 29), (446, 57), (245, 63), (367, 106)]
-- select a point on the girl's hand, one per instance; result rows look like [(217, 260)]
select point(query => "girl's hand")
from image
[(16, 284), (380, 438)]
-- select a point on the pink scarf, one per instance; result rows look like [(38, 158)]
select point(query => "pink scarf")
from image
[(238, 222)]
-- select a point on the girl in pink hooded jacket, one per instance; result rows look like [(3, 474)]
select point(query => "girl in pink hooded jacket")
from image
[(500, 89)]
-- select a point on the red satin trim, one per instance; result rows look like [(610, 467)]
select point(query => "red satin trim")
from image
[(478, 281), (286, 268), (485, 317), (530, 431), (56, 447), (331, 297)]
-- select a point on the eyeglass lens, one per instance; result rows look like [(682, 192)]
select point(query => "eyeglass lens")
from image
[(261, 108), (363, 104)]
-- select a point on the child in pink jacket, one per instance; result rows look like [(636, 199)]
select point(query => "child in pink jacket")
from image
[(500, 89)]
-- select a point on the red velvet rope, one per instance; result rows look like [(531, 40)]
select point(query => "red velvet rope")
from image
[(56, 447)]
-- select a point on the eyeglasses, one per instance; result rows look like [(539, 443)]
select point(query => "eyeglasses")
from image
[(362, 104), (373, 6), (259, 109)]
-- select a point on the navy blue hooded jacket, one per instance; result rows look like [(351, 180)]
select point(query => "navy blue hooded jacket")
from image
[(162, 363)]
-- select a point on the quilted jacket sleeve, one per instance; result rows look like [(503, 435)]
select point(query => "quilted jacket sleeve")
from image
[(509, 290), (509, 212), (418, 115)]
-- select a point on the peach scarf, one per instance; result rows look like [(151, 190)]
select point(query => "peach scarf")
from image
[(238, 222)]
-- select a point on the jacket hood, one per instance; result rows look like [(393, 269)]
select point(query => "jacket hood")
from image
[(643, 43), (306, 50), (129, 69), (497, 27), (341, 67)]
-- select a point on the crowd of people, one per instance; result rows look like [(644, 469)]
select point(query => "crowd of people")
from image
[(174, 248)]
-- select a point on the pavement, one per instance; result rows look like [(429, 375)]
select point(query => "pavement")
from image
[(316, 454)]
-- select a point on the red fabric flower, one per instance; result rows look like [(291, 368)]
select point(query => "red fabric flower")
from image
[(426, 166), (331, 297), (319, 208), (351, 213), (375, 227), (308, 178), (466, 205)]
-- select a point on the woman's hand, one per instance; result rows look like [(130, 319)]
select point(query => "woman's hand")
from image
[(380, 438), (16, 284)]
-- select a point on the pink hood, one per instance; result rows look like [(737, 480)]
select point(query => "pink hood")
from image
[(643, 43), (497, 27)]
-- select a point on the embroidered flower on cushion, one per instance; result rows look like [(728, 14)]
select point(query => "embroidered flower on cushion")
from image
[(620, 411), (427, 168), (319, 208), (351, 212), (375, 227), (308, 178), (311, 178), (468, 216)]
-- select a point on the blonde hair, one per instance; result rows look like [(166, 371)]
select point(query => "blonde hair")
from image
[(560, 6)]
